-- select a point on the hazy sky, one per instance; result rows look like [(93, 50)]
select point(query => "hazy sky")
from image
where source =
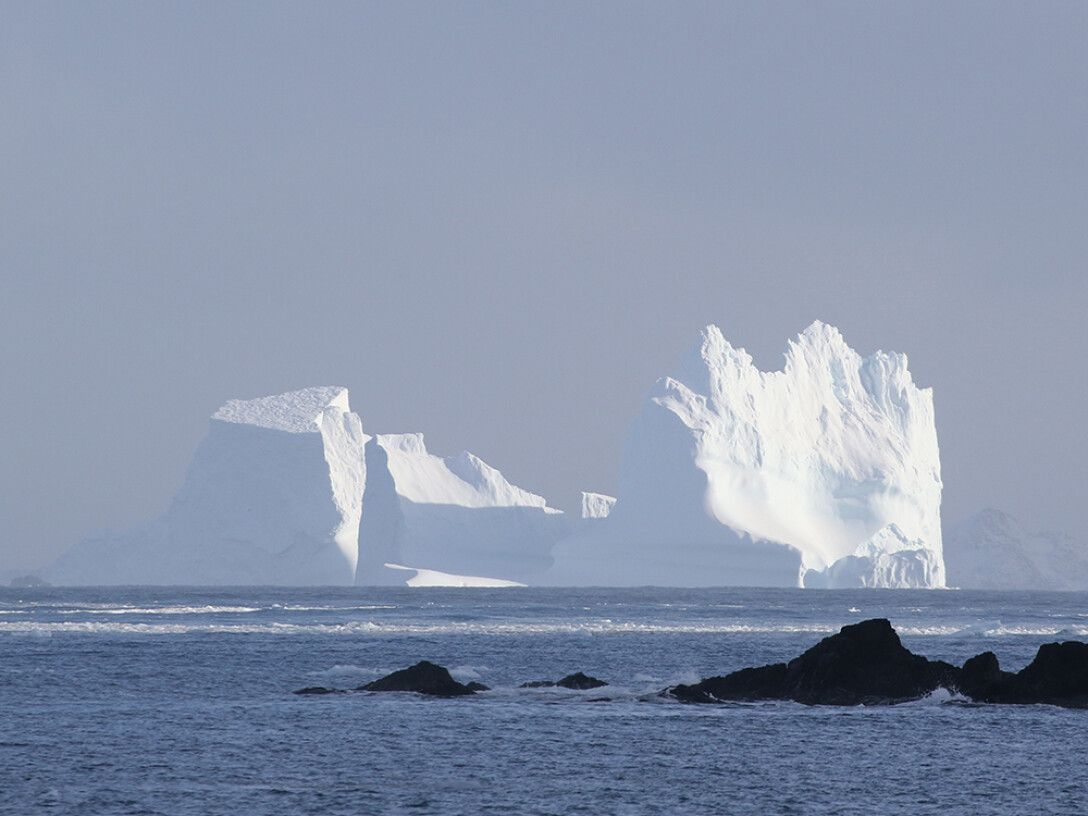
[(499, 223)]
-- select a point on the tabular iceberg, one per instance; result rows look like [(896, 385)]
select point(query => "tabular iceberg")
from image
[(993, 550), (734, 476), (273, 496), (455, 520)]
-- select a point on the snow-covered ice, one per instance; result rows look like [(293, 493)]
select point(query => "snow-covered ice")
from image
[(734, 476), (596, 505), (825, 473), (454, 515), (889, 559), (434, 578), (273, 495)]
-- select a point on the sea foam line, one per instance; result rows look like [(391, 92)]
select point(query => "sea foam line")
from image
[(490, 628)]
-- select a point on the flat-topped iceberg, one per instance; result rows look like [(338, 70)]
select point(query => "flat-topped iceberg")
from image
[(273, 496), (735, 476)]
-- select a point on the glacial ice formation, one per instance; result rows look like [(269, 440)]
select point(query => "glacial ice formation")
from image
[(453, 515), (596, 505), (434, 578), (273, 496), (825, 473), (888, 559), (993, 550), (734, 476)]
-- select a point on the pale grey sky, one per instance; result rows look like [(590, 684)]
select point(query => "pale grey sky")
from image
[(499, 223)]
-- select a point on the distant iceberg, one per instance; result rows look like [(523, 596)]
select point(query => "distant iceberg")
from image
[(993, 550), (273, 496), (288, 490), (455, 515), (597, 505), (734, 476), (826, 473), (889, 559)]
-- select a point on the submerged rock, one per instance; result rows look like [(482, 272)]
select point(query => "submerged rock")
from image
[(423, 678), (318, 690), (577, 681)]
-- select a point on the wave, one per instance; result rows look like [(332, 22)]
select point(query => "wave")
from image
[(590, 628), (207, 609)]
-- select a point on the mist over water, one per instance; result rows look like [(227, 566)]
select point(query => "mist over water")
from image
[(129, 700)]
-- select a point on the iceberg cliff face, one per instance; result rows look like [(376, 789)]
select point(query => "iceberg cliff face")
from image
[(993, 550), (734, 476), (455, 516), (596, 505), (273, 496)]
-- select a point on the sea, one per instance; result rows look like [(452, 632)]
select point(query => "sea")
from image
[(179, 701)]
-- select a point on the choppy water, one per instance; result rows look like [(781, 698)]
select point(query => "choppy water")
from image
[(165, 701)]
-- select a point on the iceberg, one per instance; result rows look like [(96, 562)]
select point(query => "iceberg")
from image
[(273, 495), (993, 550), (452, 515), (596, 505), (888, 560), (434, 578), (735, 476)]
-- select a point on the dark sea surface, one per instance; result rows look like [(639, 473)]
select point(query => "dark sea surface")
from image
[(178, 701)]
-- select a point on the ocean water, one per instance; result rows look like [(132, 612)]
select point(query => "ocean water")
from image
[(178, 701)]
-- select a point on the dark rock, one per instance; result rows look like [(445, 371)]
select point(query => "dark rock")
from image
[(864, 664), (423, 678), (318, 690), (867, 664), (474, 686), (981, 677), (762, 683), (576, 681), (1057, 676)]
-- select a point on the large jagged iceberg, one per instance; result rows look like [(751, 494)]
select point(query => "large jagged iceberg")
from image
[(449, 516), (993, 550), (825, 473), (273, 496), (734, 476)]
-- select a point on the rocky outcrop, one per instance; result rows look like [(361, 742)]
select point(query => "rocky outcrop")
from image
[(863, 664), (1057, 676), (866, 664), (422, 678), (577, 681)]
